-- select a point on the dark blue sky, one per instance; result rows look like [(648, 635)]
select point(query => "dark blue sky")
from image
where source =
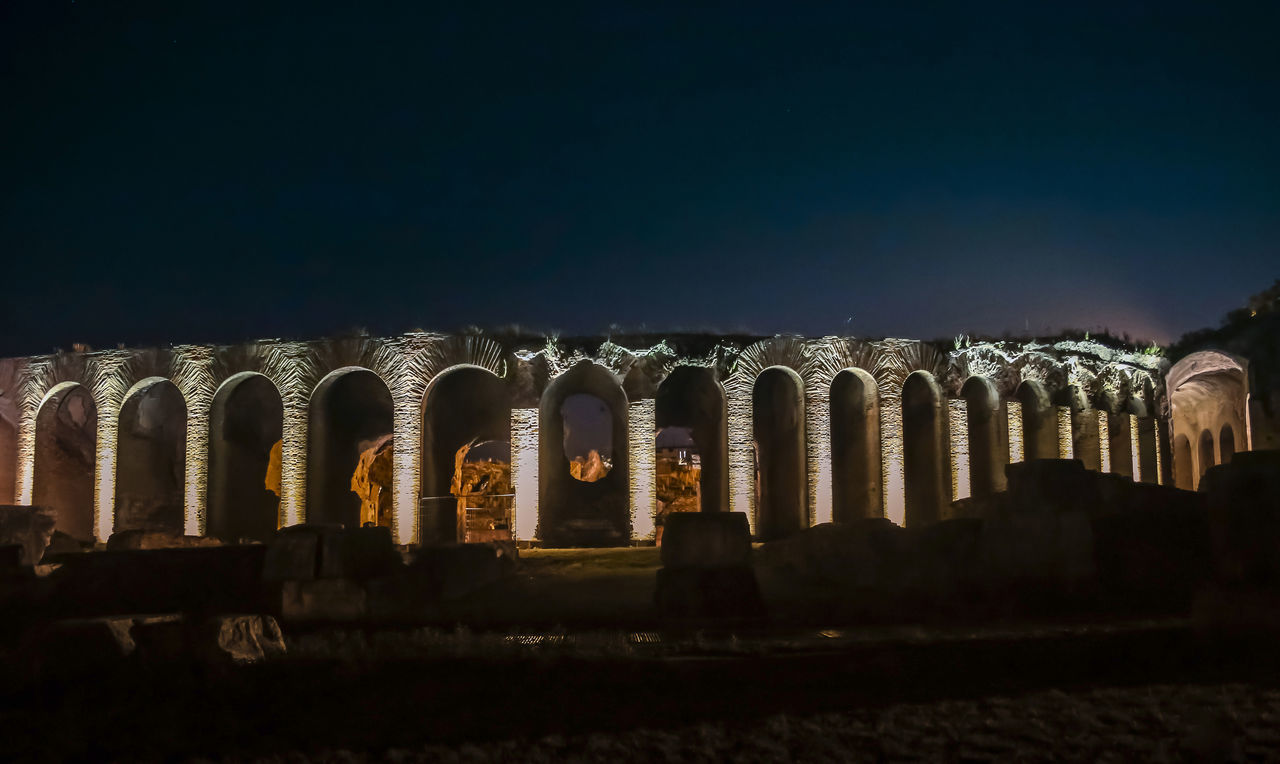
[(188, 172)]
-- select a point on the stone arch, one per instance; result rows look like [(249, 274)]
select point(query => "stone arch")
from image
[(246, 430), (692, 397), (855, 447), (924, 449), (463, 405), (1183, 469), (350, 419), (778, 430), (1039, 421), (1208, 390), (1226, 444), (1205, 452), (151, 455), (574, 512), (986, 455), (66, 443)]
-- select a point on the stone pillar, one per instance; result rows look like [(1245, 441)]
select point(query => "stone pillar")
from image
[(28, 402), (1016, 452), (1066, 443), (406, 446), (192, 374), (643, 473), (108, 373), (291, 368), (958, 420), (524, 473), (742, 455)]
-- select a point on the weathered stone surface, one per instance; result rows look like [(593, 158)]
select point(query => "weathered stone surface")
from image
[(861, 554), (1051, 485), (28, 527), (706, 539), (331, 599), (293, 555), (208, 580), (239, 639), (305, 552), (452, 570), (1244, 514), (139, 538), (721, 592)]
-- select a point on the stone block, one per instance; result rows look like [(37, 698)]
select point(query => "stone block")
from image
[(329, 599), (139, 538), (1052, 486), (358, 553), (28, 527), (452, 570), (706, 539), (1243, 499), (722, 592), (1054, 550), (238, 639), (292, 555)]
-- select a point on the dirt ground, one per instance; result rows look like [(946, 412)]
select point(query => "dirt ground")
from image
[(1217, 722)]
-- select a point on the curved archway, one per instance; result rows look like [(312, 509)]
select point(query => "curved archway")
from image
[(986, 461), (464, 406), (246, 425), (151, 456), (924, 451), (349, 449), (692, 402), (1183, 471), (777, 415), (576, 512), (66, 444), (855, 447), (1206, 452), (1039, 421), (1226, 444)]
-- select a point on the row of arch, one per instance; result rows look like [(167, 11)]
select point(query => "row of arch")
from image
[(351, 414)]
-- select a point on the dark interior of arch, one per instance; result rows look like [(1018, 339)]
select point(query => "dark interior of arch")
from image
[(691, 397), (1147, 457), (245, 424), (781, 485), (986, 454), (575, 512), (855, 448), (923, 450), (349, 415), (1084, 432), (1206, 451), (462, 406), (66, 444), (1183, 472), (1120, 443), (151, 460), (1227, 443)]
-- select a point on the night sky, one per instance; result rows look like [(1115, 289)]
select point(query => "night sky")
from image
[(181, 172)]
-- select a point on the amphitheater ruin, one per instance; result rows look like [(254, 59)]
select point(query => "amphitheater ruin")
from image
[(236, 441)]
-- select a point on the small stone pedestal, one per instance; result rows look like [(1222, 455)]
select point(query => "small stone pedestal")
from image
[(706, 569)]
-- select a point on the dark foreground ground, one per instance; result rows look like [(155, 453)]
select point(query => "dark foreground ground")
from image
[(1084, 691)]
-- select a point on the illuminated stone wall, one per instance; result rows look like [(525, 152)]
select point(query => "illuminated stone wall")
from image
[(1104, 384)]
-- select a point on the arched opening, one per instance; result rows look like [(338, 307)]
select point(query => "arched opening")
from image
[(151, 456), (1183, 472), (1146, 445), (691, 416), (588, 436), (1039, 421), (924, 449), (986, 459), (349, 450), (1084, 431), (574, 510), (855, 447), (778, 431), (1206, 452), (466, 457), (246, 425), (66, 444), (1226, 444), (1119, 435)]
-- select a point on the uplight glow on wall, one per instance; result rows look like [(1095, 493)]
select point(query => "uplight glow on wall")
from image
[(524, 472), (1015, 431), (891, 463), (958, 419), (1104, 440), (1066, 443), (1134, 442), (642, 447)]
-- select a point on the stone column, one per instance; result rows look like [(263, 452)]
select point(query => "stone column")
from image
[(192, 374), (643, 472), (817, 444), (524, 472), (742, 454), (958, 424)]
